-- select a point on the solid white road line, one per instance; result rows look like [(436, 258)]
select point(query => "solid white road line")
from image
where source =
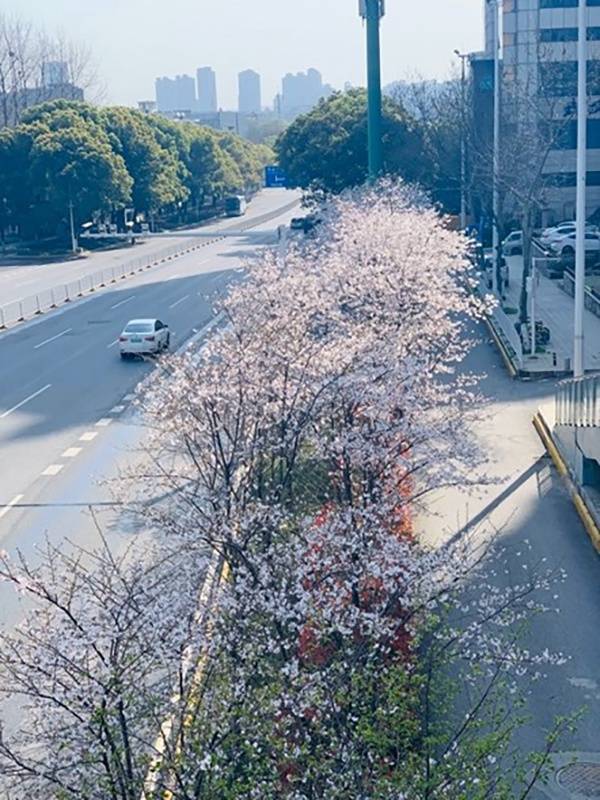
[(10, 505), (88, 437), (103, 423), (177, 302), (112, 344), (27, 399), (52, 338), (122, 302), (53, 469), (71, 452)]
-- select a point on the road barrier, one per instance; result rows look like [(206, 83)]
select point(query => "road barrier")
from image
[(47, 299)]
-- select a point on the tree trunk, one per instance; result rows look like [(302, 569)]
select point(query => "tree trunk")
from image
[(527, 233)]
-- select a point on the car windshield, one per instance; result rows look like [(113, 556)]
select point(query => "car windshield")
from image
[(139, 327)]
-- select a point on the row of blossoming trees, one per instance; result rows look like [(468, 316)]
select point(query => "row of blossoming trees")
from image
[(340, 658)]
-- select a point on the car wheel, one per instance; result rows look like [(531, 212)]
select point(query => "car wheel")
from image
[(124, 356), (167, 342)]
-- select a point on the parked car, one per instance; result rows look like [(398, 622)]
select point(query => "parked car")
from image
[(513, 244), (565, 246), (551, 235), (297, 224), (144, 337)]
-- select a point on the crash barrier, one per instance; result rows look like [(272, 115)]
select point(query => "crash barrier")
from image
[(47, 299)]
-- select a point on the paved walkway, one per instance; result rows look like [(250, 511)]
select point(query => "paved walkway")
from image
[(556, 310)]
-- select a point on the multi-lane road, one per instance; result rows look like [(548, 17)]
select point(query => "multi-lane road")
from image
[(66, 426), (66, 423)]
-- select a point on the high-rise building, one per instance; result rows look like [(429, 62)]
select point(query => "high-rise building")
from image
[(176, 94), (207, 90), (302, 92), (539, 90), (55, 73), (249, 92)]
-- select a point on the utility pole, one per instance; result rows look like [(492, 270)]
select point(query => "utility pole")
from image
[(496, 159), (463, 141), (72, 227), (582, 114), (372, 11)]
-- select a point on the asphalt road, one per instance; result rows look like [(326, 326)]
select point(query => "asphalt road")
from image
[(66, 424), (22, 280), (529, 503)]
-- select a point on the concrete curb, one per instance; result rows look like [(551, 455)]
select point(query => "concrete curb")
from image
[(506, 357), (587, 517)]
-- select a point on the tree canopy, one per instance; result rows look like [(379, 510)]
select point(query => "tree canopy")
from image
[(105, 159), (327, 148)]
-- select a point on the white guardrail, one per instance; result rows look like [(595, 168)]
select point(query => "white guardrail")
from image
[(46, 299)]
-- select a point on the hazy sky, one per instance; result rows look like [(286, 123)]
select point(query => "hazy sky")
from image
[(137, 40)]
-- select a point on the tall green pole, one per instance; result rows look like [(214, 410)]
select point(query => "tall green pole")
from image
[(373, 15)]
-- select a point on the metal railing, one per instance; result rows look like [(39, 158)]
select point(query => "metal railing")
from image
[(578, 403), (46, 299)]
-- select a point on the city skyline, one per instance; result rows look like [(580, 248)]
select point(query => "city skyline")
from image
[(297, 93), (175, 39)]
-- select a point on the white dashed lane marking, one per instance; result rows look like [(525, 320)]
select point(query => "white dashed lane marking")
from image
[(8, 506), (89, 436), (122, 302), (103, 423), (27, 399), (52, 338), (112, 344), (53, 469), (177, 302), (72, 452), (117, 409), (129, 397)]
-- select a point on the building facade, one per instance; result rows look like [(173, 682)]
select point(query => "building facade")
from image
[(249, 97), (207, 90), (55, 73), (301, 92), (539, 64), (176, 95)]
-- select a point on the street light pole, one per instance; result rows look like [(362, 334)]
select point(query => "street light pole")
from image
[(72, 227), (496, 156), (463, 144), (582, 113), (372, 11)]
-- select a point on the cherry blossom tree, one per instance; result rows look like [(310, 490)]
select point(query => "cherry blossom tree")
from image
[(341, 656)]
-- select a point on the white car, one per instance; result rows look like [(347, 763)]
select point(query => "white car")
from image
[(144, 337), (551, 235), (513, 244), (565, 246)]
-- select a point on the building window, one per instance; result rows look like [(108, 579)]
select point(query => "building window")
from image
[(559, 3), (566, 3), (569, 179), (559, 78), (564, 134), (567, 34)]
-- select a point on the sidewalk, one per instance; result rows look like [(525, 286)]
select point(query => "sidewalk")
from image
[(556, 309)]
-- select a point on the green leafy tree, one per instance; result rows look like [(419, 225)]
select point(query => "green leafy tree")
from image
[(157, 179), (77, 164), (327, 148)]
